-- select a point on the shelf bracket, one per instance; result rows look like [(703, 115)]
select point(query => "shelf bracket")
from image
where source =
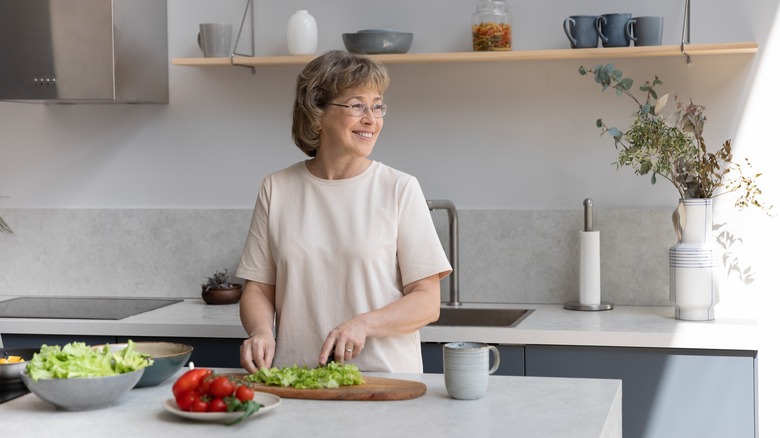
[(249, 9), (686, 34)]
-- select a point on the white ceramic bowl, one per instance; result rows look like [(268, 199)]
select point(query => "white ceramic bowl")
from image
[(377, 41), (83, 393), (168, 357)]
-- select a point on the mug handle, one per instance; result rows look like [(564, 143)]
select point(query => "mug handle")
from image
[(630, 24), (567, 26), (199, 43), (603, 37), (496, 359)]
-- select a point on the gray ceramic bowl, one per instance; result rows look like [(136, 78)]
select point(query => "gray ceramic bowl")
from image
[(377, 41), (168, 357), (83, 393)]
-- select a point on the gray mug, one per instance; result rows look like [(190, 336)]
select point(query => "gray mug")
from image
[(613, 30), (581, 31), (214, 39), (646, 31), (467, 368)]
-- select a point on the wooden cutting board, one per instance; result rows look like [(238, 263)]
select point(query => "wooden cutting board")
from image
[(375, 388)]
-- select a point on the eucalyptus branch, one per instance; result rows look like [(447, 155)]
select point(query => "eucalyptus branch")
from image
[(674, 149)]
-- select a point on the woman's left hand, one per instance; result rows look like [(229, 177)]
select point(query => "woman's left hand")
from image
[(345, 342)]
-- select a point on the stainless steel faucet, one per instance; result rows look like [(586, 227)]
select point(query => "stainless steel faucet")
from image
[(452, 214)]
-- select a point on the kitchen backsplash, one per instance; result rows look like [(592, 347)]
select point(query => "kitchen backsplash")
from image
[(506, 256)]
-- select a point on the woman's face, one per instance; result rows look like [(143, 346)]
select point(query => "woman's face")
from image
[(347, 135)]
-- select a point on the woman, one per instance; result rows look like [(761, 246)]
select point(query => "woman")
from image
[(341, 249)]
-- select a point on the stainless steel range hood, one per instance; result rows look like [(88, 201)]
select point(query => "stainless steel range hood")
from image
[(84, 51)]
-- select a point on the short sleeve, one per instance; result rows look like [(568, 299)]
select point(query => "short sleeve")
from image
[(420, 253)]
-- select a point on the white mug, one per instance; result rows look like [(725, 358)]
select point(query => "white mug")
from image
[(214, 39), (467, 368)]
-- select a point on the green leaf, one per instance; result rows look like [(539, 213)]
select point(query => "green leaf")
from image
[(331, 375), (599, 123), (583, 71), (626, 84), (249, 408), (614, 132)]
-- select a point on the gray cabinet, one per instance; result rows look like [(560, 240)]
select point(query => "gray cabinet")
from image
[(512, 359), (666, 392)]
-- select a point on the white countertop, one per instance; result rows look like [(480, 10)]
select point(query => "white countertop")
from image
[(624, 326), (513, 406)]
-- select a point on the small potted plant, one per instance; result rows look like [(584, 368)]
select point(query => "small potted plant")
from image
[(218, 289)]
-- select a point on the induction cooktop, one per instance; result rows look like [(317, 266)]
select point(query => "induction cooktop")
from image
[(80, 307)]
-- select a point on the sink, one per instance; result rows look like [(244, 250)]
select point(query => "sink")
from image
[(449, 316)]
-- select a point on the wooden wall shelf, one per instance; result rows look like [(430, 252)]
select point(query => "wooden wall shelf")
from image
[(692, 50)]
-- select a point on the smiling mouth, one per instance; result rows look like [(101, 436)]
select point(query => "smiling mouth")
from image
[(364, 134)]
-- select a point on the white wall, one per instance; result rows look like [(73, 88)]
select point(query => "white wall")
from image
[(488, 136), (492, 136)]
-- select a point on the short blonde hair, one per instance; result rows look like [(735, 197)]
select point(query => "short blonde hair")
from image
[(324, 79)]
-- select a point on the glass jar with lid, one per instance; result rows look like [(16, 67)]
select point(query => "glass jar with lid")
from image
[(491, 27)]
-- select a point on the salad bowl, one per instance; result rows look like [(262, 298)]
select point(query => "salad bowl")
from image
[(83, 393)]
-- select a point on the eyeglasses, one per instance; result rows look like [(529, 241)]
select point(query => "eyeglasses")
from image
[(358, 109)]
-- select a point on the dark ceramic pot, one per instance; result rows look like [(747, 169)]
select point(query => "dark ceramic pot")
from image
[(222, 296)]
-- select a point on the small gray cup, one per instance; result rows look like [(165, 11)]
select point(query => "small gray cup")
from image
[(214, 39), (581, 31), (467, 368), (646, 31), (613, 30)]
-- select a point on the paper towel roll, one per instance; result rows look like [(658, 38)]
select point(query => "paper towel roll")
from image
[(590, 268)]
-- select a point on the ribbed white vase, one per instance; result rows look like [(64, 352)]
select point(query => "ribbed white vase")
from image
[(302, 34), (694, 262)]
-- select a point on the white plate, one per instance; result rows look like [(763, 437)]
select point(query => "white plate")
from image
[(269, 401)]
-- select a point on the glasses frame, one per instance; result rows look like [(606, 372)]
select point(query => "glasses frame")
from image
[(359, 109)]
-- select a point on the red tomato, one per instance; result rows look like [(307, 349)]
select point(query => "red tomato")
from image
[(244, 393), (205, 385), (221, 386), (200, 405), (185, 400), (190, 380), (217, 404)]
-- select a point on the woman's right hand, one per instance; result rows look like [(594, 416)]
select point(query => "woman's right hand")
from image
[(257, 352), (257, 316)]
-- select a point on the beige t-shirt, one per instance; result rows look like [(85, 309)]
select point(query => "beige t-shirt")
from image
[(336, 249)]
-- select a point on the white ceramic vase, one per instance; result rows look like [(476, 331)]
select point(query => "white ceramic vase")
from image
[(694, 262), (302, 34)]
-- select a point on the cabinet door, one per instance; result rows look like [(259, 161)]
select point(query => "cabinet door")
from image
[(512, 359), (666, 393), (35, 341)]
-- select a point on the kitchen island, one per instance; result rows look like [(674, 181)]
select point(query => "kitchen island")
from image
[(658, 358), (513, 406)]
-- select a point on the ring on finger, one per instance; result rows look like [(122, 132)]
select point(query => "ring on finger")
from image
[(348, 350)]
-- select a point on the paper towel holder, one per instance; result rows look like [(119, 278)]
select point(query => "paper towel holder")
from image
[(576, 305)]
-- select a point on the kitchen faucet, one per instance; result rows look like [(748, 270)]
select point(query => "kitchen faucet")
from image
[(452, 214)]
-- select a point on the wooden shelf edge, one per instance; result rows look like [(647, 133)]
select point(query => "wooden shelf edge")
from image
[(743, 48)]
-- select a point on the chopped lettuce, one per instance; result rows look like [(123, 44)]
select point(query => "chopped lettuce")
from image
[(331, 375), (76, 359)]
